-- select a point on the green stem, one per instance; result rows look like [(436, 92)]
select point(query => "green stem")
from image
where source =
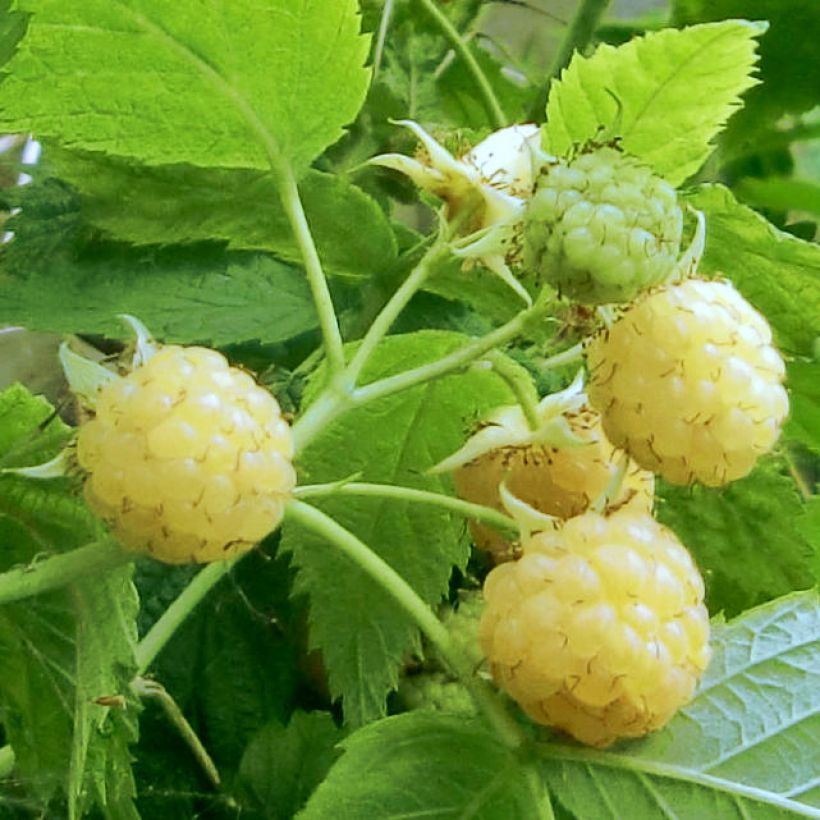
[(478, 512), (491, 103), (163, 630), (521, 385), (291, 202), (151, 689), (390, 312), (568, 356), (799, 479), (7, 761), (334, 400), (384, 24), (424, 617), (577, 37), (456, 360), (59, 570)]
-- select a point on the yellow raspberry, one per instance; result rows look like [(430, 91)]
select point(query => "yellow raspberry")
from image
[(689, 383), (188, 459), (599, 629), (559, 481)]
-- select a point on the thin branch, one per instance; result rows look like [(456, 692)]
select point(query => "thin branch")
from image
[(164, 628), (478, 512), (335, 401), (151, 689), (389, 313), (291, 202), (456, 360), (491, 103), (568, 356), (381, 37), (519, 381), (421, 614)]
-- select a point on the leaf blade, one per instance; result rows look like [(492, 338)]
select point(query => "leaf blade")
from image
[(684, 766), (188, 82), (642, 91)]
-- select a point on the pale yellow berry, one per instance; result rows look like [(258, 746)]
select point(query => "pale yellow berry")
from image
[(688, 383), (559, 481), (188, 459), (599, 629)]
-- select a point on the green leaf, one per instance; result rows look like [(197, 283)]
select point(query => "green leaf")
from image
[(483, 291), (803, 380), (232, 666), (282, 766), (745, 747), (62, 651), (777, 273), (36, 516), (666, 94), (201, 295), (12, 28), (421, 78), (427, 765), (789, 59), (225, 84), (780, 194), (745, 537), (175, 204), (363, 634), (52, 278)]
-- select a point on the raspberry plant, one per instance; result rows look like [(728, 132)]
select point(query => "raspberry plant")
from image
[(355, 267)]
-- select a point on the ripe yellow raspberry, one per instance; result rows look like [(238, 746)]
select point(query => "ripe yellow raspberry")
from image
[(559, 481), (599, 629), (688, 382), (188, 459)]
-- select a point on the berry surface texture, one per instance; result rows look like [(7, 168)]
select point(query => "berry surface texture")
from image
[(188, 458), (599, 629), (688, 382), (601, 226)]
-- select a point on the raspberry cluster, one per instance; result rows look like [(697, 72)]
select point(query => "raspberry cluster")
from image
[(599, 629), (601, 226), (188, 459)]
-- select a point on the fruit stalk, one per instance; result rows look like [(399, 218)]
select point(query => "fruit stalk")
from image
[(151, 689), (521, 385), (390, 312), (479, 512), (170, 620), (421, 614), (331, 335), (334, 401)]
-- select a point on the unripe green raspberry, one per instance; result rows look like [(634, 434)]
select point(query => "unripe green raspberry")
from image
[(601, 227), (559, 481), (188, 459), (436, 692), (599, 629), (688, 382)]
